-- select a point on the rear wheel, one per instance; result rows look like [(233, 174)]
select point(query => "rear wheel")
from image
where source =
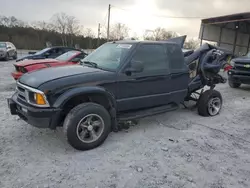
[(87, 126), (233, 84), (210, 103)]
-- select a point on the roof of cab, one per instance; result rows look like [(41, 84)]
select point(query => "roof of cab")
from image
[(138, 41), (180, 40)]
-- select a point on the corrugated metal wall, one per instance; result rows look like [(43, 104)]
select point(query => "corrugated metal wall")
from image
[(227, 39)]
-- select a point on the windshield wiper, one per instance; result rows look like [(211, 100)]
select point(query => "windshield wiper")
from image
[(93, 64)]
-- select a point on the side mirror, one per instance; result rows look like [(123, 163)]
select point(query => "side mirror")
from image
[(135, 66), (8, 47)]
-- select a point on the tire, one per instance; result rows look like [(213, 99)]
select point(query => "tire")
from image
[(233, 84), (7, 57), (81, 113), (210, 103), (15, 56)]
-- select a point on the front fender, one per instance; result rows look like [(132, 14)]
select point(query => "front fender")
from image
[(81, 91)]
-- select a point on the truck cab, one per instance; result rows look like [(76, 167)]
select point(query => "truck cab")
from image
[(240, 71)]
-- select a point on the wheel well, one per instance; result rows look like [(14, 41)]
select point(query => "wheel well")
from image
[(76, 100)]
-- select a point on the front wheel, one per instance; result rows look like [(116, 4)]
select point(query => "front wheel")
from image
[(209, 103), (7, 57), (87, 126), (15, 56)]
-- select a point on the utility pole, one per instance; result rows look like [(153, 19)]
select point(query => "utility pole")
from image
[(119, 31), (98, 37), (108, 22)]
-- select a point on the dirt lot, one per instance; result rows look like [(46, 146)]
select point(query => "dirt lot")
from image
[(176, 149)]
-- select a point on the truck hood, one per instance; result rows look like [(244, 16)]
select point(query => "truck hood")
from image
[(242, 59), (36, 78), (33, 62)]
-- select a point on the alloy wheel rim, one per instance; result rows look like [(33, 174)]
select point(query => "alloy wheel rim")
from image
[(90, 128), (214, 106)]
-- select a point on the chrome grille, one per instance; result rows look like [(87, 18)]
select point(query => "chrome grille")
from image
[(21, 93), (242, 66), (26, 94)]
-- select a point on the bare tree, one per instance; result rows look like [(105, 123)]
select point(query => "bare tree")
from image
[(191, 44), (42, 25), (88, 32), (73, 28), (159, 34), (118, 31), (148, 35), (11, 22), (60, 22), (67, 26)]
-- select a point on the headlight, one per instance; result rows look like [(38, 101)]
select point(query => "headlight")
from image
[(37, 98), (33, 96), (232, 63)]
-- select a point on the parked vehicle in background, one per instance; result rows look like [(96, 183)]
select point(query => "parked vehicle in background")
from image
[(68, 58), (51, 52), (239, 71), (119, 81), (7, 51)]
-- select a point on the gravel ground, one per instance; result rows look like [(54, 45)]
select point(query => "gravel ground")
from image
[(176, 149)]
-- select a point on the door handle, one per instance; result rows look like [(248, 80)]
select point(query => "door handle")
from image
[(174, 75), (154, 78)]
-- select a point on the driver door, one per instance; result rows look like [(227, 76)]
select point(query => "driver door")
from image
[(148, 88)]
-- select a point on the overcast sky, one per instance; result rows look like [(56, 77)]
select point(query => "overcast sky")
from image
[(138, 14)]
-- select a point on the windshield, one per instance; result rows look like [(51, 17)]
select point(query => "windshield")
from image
[(42, 51), (2, 45), (108, 56), (66, 56)]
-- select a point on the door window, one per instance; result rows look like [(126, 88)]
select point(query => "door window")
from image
[(55, 52), (176, 58), (152, 56), (59, 51)]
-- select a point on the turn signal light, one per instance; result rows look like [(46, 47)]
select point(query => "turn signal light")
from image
[(39, 99)]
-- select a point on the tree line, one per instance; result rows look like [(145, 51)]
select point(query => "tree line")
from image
[(61, 30), (120, 31), (66, 30)]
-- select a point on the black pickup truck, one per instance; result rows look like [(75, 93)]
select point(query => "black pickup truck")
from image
[(240, 71), (119, 81)]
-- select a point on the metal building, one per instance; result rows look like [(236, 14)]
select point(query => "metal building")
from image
[(231, 32)]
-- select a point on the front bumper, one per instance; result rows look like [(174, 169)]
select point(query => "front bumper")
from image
[(2, 54), (35, 116), (238, 76), (16, 75)]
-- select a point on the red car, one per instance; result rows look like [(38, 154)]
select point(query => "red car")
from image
[(68, 58)]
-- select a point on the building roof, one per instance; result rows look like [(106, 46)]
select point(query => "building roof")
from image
[(245, 16)]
